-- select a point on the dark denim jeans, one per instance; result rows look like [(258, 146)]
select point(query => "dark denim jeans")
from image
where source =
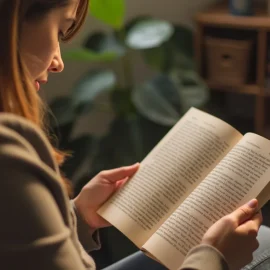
[(261, 256), (261, 262), (140, 261), (137, 261)]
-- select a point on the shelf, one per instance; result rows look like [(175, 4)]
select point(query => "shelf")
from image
[(219, 16), (249, 89), (218, 22)]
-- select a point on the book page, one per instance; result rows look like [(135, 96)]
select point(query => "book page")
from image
[(239, 177), (168, 174)]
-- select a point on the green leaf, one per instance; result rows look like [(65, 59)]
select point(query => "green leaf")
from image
[(158, 101), (165, 99), (90, 87), (89, 56), (194, 92), (121, 34), (181, 61), (166, 57), (149, 33), (104, 43), (156, 57), (111, 12), (177, 52)]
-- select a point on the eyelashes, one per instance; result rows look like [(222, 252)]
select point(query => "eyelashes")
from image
[(61, 35)]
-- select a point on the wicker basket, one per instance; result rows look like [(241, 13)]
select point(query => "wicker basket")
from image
[(227, 60)]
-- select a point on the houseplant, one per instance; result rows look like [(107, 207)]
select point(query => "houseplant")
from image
[(159, 101)]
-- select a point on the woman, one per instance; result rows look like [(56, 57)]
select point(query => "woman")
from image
[(40, 228)]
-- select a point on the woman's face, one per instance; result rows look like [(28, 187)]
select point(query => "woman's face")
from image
[(40, 48)]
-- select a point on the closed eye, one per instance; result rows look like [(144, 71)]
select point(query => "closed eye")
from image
[(61, 35), (64, 36), (71, 28)]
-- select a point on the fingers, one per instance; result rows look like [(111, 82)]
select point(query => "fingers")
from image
[(120, 173), (252, 226), (258, 219), (121, 183), (245, 212)]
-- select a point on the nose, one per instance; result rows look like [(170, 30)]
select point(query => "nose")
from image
[(57, 64)]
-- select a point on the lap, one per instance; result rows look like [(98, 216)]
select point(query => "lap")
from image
[(136, 261), (261, 256), (140, 261)]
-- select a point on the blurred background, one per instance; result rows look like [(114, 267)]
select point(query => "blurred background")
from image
[(138, 66)]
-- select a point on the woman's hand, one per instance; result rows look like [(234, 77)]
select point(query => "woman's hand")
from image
[(99, 190), (235, 235)]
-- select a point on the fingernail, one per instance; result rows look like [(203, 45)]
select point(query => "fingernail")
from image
[(136, 164), (252, 203)]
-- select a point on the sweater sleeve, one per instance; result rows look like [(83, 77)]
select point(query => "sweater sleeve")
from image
[(89, 238), (34, 229), (204, 257)]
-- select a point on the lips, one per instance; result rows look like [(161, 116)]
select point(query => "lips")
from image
[(37, 85)]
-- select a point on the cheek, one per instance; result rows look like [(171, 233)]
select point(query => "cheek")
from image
[(37, 58), (37, 52), (34, 64)]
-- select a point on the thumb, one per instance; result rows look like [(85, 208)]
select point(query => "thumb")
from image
[(245, 212), (115, 175)]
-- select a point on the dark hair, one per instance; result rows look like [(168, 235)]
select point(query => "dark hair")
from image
[(40, 8)]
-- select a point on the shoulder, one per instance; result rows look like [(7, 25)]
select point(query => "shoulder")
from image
[(20, 137), (18, 124), (28, 171)]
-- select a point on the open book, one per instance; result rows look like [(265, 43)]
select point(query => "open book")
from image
[(200, 171)]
